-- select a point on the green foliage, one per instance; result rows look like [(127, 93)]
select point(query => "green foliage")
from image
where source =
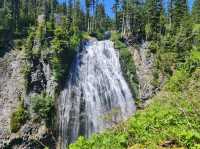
[(153, 46), (75, 40), (98, 34), (43, 106), (63, 48), (173, 116), (102, 141), (127, 63), (196, 11), (178, 78), (154, 14), (85, 36), (196, 33), (18, 118), (195, 55), (26, 72), (29, 45), (58, 70), (178, 11)]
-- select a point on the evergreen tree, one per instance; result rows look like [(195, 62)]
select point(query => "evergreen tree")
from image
[(116, 11), (154, 14), (87, 4), (100, 16), (196, 11), (179, 11)]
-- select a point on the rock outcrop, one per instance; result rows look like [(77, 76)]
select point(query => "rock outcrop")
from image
[(11, 88), (144, 62), (33, 134)]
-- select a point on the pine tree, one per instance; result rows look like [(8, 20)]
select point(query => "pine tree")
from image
[(154, 14), (100, 16), (15, 13), (137, 19), (116, 10), (87, 4), (196, 11), (179, 11)]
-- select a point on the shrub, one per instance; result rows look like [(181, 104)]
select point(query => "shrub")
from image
[(26, 71), (57, 68), (29, 46), (63, 50), (43, 106), (85, 36), (18, 118), (153, 46), (172, 119), (102, 141), (180, 77), (99, 35), (74, 41)]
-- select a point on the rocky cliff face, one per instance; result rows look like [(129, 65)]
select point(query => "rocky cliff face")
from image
[(35, 134), (144, 62), (40, 79), (11, 88), (32, 134)]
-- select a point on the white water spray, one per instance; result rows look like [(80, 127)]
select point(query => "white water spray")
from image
[(96, 95)]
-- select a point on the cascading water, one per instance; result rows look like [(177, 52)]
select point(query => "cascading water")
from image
[(96, 95)]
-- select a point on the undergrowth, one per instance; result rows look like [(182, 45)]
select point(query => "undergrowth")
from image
[(172, 120)]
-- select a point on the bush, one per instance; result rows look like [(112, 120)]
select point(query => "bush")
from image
[(43, 106), (18, 118), (85, 36), (74, 41), (153, 46), (173, 117), (102, 141), (63, 48), (180, 77), (58, 70), (26, 72), (29, 45), (99, 35)]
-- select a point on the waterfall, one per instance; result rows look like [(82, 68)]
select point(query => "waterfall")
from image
[(96, 95)]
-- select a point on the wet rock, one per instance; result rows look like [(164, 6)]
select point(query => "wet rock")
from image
[(107, 35)]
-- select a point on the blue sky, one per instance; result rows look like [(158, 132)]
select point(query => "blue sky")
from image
[(109, 4)]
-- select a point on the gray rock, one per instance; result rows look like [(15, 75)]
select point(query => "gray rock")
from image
[(11, 88), (31, 135), (107, 35), (144, 62)]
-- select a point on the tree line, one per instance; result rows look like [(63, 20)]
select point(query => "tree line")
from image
[(148, 18), (139, 20), (17, 16)]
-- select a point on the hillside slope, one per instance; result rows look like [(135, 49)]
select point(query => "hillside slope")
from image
[(170, 121)]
